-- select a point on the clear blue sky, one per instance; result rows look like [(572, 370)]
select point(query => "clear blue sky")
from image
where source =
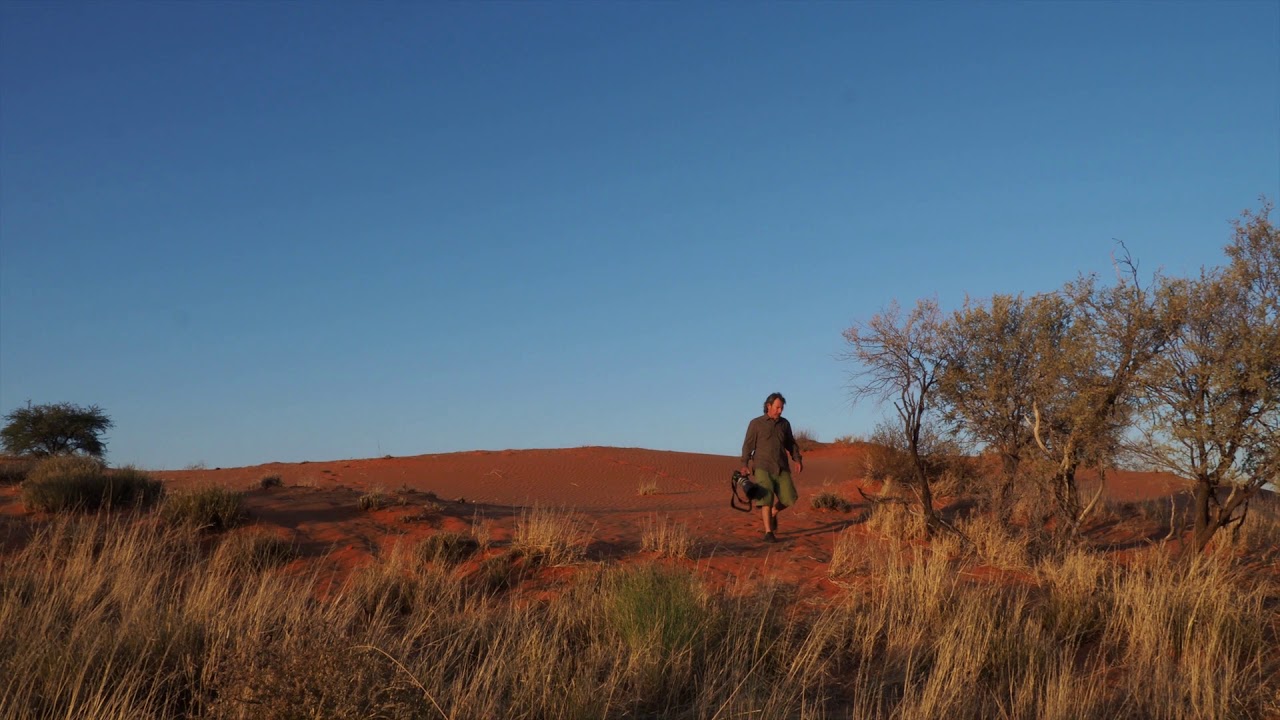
[(277, 231)]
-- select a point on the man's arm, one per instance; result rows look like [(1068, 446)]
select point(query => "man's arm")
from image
[(790, 445)]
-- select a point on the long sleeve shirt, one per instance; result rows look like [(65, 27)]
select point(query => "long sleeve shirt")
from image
[(768, 442)]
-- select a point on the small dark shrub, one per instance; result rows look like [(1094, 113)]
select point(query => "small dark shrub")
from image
[(502, 572), (270, 481), (208, 508), (449, 548), (75, 482), (830, 501)]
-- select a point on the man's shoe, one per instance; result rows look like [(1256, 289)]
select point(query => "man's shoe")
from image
[(768, 537)]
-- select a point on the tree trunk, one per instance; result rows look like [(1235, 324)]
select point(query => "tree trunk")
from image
[(1003, 504), (932, 522), (1204, 524), (1068, 497)]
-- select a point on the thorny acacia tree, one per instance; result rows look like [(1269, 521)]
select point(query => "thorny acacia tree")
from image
[(55, 429), (899, 359), (1212, 399)]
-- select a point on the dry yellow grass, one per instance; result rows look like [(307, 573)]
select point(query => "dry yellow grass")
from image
[(666, 537), (553, 537), (107, 617)]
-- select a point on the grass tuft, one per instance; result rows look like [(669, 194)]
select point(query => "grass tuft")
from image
[(211, 507), (375, 499), (667, 538), (551, 537)]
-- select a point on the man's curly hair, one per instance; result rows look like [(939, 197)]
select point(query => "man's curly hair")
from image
[(773, 396)]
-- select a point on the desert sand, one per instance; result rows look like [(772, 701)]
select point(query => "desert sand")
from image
[(316, 506)]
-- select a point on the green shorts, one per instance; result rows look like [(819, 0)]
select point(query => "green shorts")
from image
[(771, 485)]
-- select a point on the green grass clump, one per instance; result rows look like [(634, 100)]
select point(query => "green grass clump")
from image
[(652, 606), (207, 508), (74, 482)]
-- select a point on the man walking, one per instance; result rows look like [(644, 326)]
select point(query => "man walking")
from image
[(766, 446)]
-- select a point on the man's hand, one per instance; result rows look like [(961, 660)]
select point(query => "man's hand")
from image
[(799, 467), (745, 471)]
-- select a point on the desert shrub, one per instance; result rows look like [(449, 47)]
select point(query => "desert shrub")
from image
[(827, 500), (207, 508), (648, 487), (883, 463), (270, 481), (14, 469), (955, 474), (806, 439), (448, 548), (667, 538), (75, 482)]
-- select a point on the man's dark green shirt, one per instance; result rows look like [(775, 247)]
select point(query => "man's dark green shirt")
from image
[(768, 441)]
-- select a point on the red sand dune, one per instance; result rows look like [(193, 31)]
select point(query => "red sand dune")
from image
[(317, 506)]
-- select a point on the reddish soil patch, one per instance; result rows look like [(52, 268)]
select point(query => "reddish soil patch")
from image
[(317, 505)]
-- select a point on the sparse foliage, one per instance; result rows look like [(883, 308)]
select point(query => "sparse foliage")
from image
[(987, 388), (1212, 398), (1087, 360), (899, 359), (55, 429)]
